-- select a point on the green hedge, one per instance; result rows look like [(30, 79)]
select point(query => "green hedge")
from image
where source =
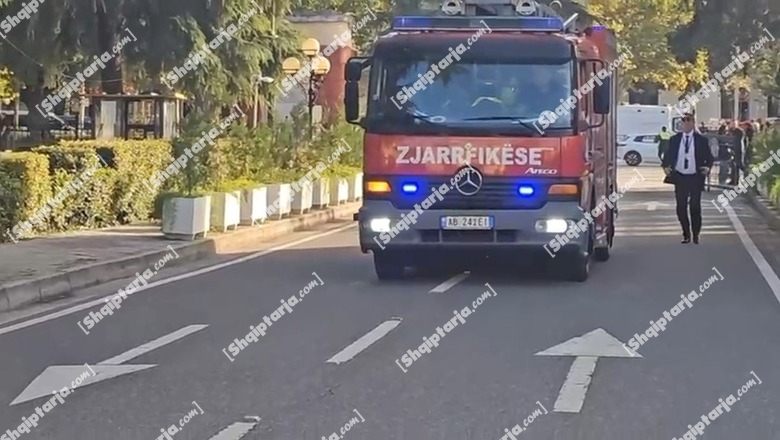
[(763, 145), (24, 188), (117, 193), (135, 162)]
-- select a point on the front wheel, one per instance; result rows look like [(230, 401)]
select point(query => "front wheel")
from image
[(602, 253), (578, 268), (633, 158), (388, 266)]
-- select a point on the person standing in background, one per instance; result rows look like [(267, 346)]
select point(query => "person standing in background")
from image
[(663, 143), (738, 137), (723, 128), (750, 133)]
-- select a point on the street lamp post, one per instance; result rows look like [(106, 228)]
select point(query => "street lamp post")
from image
[(258, 79), (319, 66)]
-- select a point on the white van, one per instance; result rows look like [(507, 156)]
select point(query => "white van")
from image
[(635, 119)]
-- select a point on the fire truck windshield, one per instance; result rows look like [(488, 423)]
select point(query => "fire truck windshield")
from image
[(505, 95)]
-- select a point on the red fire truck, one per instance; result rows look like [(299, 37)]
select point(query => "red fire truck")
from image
[(528, 166)]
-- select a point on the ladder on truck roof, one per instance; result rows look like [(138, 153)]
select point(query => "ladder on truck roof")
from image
[(508, 15)]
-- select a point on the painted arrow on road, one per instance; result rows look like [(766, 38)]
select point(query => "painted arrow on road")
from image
[(58, 376), (587, 350)]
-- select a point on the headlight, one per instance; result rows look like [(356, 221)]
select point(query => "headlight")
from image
[(380, 225), (554, 225)]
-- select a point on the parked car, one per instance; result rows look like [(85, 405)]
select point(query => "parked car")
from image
[(638, 149)]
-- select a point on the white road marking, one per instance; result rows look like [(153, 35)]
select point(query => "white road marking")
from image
[(575, 387), (101, 301), (56, 377), (447, 285), (153, 345), (758, 258), (235, 431), (364, 342), (587, 349)]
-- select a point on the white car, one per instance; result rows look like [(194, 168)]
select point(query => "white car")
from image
[(636, 149)]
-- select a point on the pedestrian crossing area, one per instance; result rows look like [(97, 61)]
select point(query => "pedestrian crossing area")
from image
[(647, 209)]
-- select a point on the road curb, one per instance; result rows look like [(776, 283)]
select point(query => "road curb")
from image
[(762, 204), (22, 293)]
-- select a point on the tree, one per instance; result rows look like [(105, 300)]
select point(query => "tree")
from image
[(62, 38), (720, 25), (643, 26)]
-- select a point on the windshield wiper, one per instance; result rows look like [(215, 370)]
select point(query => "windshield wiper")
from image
[(518, 119), (406, 116)]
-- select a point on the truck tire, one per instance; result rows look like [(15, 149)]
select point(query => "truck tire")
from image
[(388, 266), (579, 268), (602, 253)]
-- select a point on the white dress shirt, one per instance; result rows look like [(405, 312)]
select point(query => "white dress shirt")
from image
[(681, 156)]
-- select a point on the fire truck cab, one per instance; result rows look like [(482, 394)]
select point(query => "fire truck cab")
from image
[(489, 130)]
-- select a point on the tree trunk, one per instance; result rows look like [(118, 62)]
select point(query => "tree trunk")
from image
[(111, 76), (37, 124)]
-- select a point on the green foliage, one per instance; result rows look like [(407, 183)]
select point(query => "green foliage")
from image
[(116, 193), (24, 188), (71, 157), (763, 146), (92, 206), (135, 163), (62, 38), (642, 27)]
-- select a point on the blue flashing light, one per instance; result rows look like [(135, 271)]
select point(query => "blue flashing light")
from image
[(525, 190), (409, 188), (530, 24), (598, 27)]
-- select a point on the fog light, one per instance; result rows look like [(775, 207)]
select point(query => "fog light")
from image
[(553, 225), (380, 225)]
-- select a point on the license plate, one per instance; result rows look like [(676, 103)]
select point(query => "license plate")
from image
[(467, 222)]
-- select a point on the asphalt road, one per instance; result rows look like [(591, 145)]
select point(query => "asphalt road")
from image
[(484, 375)]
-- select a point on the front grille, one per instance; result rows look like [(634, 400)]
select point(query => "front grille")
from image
[(494, 194), (444, 236)]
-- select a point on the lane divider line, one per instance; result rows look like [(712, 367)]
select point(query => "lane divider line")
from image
[(365, 341), (450, 283), (237, 430)]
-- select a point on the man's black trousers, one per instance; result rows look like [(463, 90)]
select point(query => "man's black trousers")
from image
[(687, 193)]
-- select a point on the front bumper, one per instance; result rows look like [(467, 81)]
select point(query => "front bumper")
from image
[(514, 231)]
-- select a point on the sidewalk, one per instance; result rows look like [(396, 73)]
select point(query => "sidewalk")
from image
[(52, 266)]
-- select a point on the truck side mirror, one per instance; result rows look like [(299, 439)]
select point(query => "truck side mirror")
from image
[(601, 97), (353, 71), (352, 102)]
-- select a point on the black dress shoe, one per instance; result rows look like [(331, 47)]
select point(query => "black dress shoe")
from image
[(685, 240), (695, 240)]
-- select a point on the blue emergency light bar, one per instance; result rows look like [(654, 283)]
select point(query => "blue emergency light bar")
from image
[(528, 24)]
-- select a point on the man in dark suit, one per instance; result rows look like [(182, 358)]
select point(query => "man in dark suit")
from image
[(686, 166)]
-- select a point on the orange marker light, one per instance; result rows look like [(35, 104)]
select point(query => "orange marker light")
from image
[(377, 186), (563, 189)]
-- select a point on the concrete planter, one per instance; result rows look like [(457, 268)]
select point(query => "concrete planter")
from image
[(339, 190), (321, 193), (279, 200), (355, 187), (302, 200), (253, 206), (226, 210), (185, 218)]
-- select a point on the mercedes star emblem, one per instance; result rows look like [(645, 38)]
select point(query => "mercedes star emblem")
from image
[(470, 182)]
